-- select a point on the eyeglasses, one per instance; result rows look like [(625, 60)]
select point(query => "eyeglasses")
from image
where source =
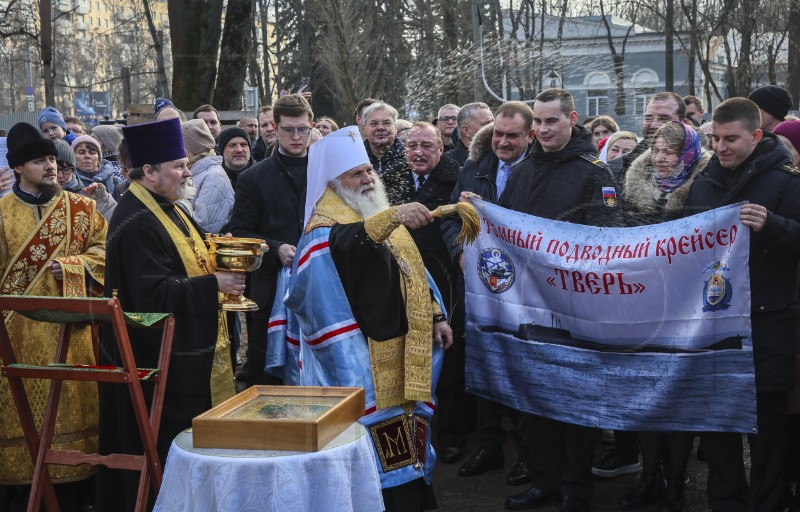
[(303, 131), (65, 170), (448, 119)]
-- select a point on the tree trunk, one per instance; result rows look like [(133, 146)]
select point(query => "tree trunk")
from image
[(195, 27), (669, 54), (793, 78), (46, 17), (234, 51), (162, 84)]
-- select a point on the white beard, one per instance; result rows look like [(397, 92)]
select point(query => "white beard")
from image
[(365, 205)]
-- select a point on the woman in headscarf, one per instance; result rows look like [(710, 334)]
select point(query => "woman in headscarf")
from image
[(656, 187)]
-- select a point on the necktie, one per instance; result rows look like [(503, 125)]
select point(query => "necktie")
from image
[(420, 181), (502, 178)]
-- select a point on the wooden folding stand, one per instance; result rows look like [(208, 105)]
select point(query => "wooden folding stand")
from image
[(82, 311)]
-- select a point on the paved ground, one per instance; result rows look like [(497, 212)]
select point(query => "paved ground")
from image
[(487, 492)]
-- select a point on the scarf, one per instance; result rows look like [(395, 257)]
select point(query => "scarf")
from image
[(103, 175), (690, 155)]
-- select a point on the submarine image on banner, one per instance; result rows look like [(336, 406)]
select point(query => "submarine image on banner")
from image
[(558, 336)]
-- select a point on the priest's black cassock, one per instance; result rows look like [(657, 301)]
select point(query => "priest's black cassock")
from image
[(144, 266)]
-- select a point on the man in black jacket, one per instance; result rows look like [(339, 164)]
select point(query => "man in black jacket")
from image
[(754, 166), (269, 204), (493, 154), (471, 118), (561, 179)]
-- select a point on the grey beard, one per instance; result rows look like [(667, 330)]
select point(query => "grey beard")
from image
[(364, 205), (187, 191)]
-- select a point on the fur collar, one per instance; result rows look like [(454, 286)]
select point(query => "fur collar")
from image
[(642, 192), (481, 143)]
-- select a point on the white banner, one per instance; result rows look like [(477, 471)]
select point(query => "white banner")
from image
[(628, 328)]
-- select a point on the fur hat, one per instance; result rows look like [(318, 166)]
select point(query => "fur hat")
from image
[(88, 139), (791, 130), (25, 143), (155, 143), (197, 137), (109, 136), (773, 100), (65, 153), (231, 133), (51, 115)]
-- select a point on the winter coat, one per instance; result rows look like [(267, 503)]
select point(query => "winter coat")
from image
[(395, 156), (478, 176), (459, 154), (270, 205), (567, 185), (263, 150), (213, 202), (767, 178), (105, 202), (645, 203)]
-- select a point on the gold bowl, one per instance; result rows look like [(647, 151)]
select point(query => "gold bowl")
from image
[(236, 255)]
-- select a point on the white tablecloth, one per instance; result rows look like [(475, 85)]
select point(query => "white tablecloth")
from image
[(340, 477)]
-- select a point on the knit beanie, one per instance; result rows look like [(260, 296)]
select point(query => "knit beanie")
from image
[(109, 136), (65, 153), (161, 104), (773, 100), (230, 133), (197, 137), (51, 115), (791, 130), (25, 143), (88, 139)]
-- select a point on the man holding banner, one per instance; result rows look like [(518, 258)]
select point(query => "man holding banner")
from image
[(560, 179), (753, 166)]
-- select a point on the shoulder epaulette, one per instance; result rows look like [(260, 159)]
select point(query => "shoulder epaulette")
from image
[(592, 159), (791, 169)]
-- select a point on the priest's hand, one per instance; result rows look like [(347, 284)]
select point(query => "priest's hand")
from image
[(286, 254), (413, 215), (58, 273), (230, 282), (443, 334)]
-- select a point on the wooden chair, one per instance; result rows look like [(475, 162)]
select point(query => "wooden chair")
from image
[(70, 312)]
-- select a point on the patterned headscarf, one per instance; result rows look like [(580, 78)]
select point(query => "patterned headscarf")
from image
[(690, 155)]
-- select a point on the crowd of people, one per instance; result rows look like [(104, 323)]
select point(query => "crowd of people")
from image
[(372, 285)]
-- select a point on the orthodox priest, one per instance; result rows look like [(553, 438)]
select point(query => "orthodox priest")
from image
[(369, 313), (52, 243), (158, 262)]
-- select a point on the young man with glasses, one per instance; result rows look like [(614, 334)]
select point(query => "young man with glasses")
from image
[(269, 205)]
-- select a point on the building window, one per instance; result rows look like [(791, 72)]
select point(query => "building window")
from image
[(596, 102)]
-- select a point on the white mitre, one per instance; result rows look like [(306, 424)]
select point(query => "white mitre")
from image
[(329, 158)]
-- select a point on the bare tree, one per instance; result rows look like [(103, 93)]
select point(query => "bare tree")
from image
[(235, 48), (162, 89), (195, 28)]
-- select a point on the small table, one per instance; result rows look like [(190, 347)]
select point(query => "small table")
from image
[(342, 476)]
